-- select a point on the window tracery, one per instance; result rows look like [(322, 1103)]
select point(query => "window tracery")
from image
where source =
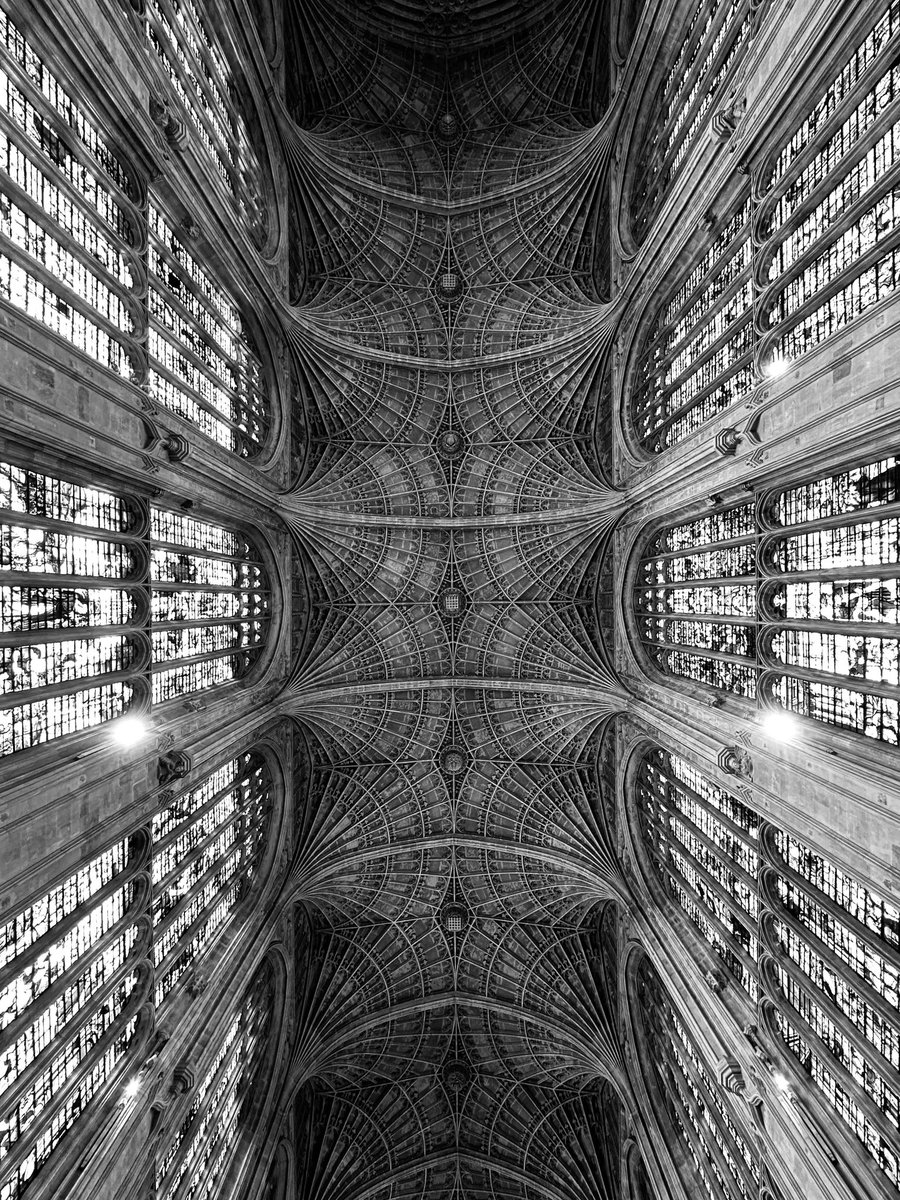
[(710, 48), (204, 363), (198, 70), (724, 1163), (70, 986), (210, 607), (830, 945), (207, 847), (201, 1149), (831, 205), (696, 357), (793, 598), (107, 605), (74, 607), (68, 222)]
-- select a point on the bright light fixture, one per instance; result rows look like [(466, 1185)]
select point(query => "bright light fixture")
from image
[(780, 725), (777, 365), (132, 1087), (781, 1081), (128, 731)]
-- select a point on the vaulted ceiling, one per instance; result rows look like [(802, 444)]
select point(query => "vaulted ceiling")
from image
[(457, 1027)]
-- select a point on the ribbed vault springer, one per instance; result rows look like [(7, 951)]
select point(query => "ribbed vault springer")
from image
[(456, 1026)]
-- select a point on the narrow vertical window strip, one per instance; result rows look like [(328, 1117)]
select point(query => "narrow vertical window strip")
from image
[(711, 47), (65, 992), (704, 845), (66, 219), (832, 217), (723, 1161), (697, 357), (208, 845), (204, 366)]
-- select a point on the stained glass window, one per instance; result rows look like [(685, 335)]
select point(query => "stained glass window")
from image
[(831, 208), (203, 362), (704, 846), (210, 607), (710, 48), (68, 223), (794, 597), (84, 635), (207, 845), (196, 1159), (724, 1164), (696, 356), (68, 997), (72, 605), (837, 980), (199, 73), (833, 979)]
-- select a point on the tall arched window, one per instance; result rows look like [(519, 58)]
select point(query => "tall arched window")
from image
[(696, 356), (71, 982), (204, 364), (207, 847), (69, 227), (182, 35), (795, 598), (713, 39), (694, 1104), (199, 1153), (830, 213), (106, 605), (74, 607), (210, 604), (704, 845), (833, 979), (819, 948)]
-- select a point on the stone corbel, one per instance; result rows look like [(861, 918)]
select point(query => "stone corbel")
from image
[(735, 761), (174, 765), (172, 128)]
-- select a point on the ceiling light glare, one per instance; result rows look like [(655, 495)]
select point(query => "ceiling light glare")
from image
[(781, 1081), (776, 366), (128, 731), (132, 1087), (780, 726)]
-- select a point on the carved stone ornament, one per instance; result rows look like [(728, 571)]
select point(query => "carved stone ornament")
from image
[(451, 443), (174, 765), (454, 760), (734, 760), (727, 441), (455, 1075), (730, 1075)]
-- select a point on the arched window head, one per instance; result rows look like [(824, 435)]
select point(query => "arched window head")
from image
[(68, 222), (71, 984), (107, 605), (692, 1103), (695, 357), (192, 56), (198, 1156), (208, 844), (704, 847), (830, 214), (792, 598), (75, 651), (834, 983), (712, 41), (211, 605), (204, 364), (695, 599)]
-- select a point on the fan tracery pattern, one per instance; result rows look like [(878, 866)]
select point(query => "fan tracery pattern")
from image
[(453, 857)]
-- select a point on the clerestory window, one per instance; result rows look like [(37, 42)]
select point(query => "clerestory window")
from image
[(793, 597), (108, 604), (831, 982)]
